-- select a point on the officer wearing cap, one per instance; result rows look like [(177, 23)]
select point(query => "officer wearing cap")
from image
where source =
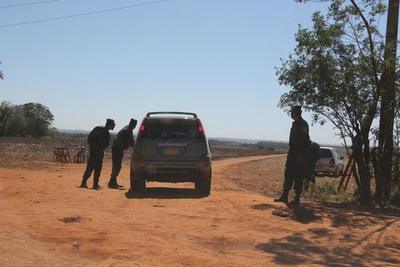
[(296, 162), (122, 142), (98, 141)]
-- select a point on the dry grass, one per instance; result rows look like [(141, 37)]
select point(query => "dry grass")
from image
[(37, 153), (266, 177), (261, 176)]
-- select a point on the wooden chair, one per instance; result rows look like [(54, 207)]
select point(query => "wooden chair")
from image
[(61, 154), (81, 155)]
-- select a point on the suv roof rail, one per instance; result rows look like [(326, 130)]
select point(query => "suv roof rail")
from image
[(171, 112)]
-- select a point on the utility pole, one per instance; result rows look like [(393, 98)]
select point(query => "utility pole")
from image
[(387, 109)]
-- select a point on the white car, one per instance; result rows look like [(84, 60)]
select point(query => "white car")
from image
[(329, 163)]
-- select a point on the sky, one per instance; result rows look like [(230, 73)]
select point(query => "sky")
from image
[(213, 57)]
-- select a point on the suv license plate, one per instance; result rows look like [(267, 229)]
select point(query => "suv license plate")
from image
[(171, 151)]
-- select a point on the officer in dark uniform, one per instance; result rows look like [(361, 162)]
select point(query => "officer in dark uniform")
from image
[(122, 142), (296, 168), (98, 141), (312, 157)]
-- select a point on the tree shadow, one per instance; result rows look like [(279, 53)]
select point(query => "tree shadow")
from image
[(323, 247), (353, 216), (356, 237), (165, 193)]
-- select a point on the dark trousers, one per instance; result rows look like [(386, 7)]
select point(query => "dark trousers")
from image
[(117, 156), (94, 163), (295, 172)]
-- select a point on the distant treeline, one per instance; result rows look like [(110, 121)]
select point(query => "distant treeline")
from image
[(261, 145), (27, 120)]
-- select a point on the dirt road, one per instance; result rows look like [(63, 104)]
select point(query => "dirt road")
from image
[(46, 220)]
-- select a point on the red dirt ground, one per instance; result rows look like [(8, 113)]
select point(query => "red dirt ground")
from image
[(46, 220)]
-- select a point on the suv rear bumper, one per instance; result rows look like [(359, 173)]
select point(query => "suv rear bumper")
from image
[(170, 171), (333, 171)]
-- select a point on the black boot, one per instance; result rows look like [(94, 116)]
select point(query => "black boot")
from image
[(83, 183), (113, 184), (283, 198), (96, 185), (296, 201)]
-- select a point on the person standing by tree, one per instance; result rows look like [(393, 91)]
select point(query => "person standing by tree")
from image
[(123, 141), (296, 162), (98, 141)]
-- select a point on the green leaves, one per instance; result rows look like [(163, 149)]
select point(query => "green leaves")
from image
[(1, 74), (31, 119), (330, 71)]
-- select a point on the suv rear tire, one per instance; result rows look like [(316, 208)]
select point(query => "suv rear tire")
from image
[(138, 185), (203, 184)]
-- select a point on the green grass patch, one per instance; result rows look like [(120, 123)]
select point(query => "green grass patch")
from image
[(326, 192)]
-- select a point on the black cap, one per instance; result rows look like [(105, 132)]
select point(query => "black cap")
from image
[(132, 121), (110, 121), (296, 109)]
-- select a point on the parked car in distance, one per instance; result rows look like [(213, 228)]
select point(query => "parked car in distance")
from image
[(329, 163), (171, 147)]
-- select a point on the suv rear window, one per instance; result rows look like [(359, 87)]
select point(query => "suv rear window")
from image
[(325, 153), (170, 128)]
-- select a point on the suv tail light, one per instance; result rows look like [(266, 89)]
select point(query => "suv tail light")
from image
[(200, 128), (142, 127), (141, 131), (332, 162)]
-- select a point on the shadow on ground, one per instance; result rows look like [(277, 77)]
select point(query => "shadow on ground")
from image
[(301, 214), (354, 237), (324, 247), (354, 216), (165, 193)]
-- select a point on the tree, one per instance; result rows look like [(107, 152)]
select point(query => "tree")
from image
[(1, 74), (334, 73), (6, 111), (17, 125), (396, 148), (388, 105), (31, 119), (38, 118)]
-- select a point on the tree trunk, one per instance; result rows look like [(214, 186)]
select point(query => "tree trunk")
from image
[(361, 155), (396, 151), (396, 170), (387, 111)]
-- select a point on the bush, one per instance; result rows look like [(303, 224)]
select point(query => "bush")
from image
[(31, 119), (326, 192)]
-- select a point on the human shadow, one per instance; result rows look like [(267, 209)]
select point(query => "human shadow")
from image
[(305, 215), (301, 214), (262, 206), (165, 193)]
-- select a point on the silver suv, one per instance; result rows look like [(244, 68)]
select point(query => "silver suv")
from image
[(171, 147)]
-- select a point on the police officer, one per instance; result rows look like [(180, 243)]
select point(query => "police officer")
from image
[(296, 168), (98, 141), (312, 158), (122, 142)]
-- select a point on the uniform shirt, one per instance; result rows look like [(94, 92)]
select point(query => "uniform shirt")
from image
[(299, 139), (99, 138), (124, 139)]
